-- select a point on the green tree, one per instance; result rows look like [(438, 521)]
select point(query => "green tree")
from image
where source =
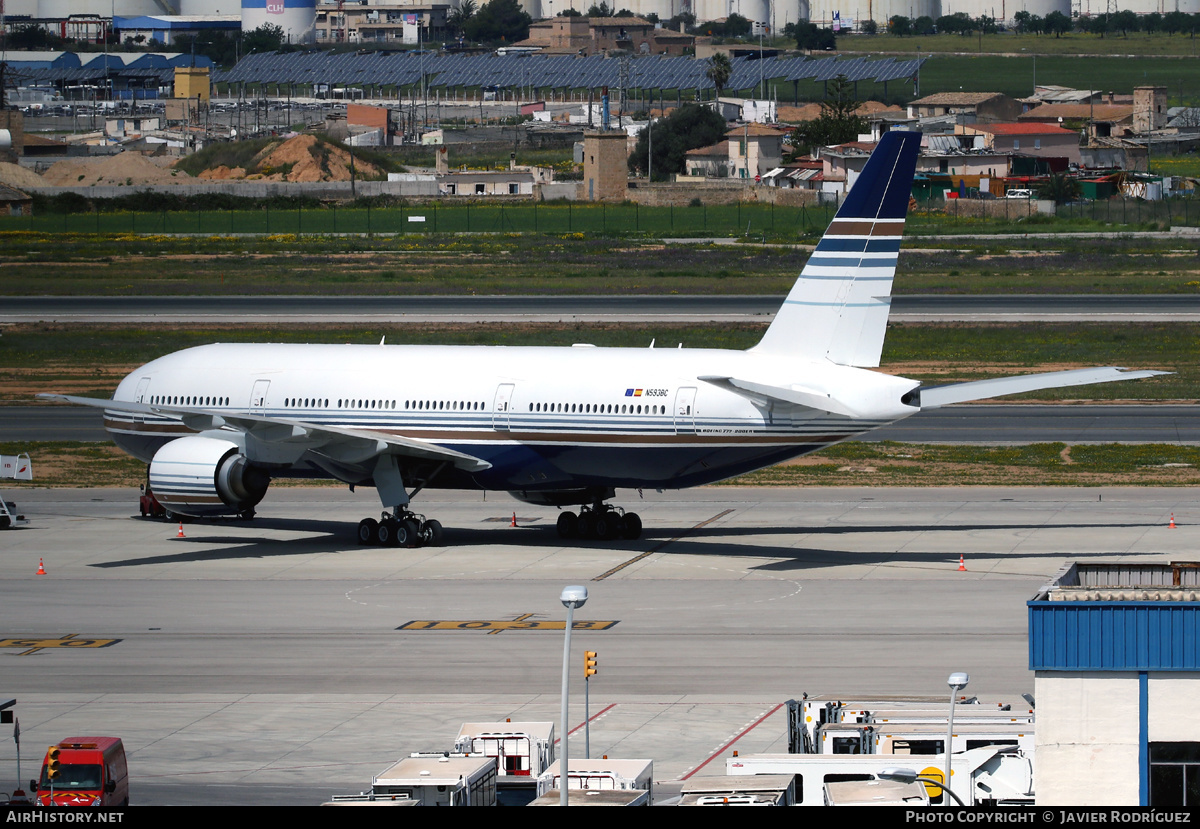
[(1126, 21), (813, 38), (457, 20), (838, 121), (499, 20), (33, 37), (1060, 188), (869, 27), (687, 19), (1058, 23), (719, 70), (220, 48), (266, 38), (957, 23), (900, 25), (688, 127), (737, 26)]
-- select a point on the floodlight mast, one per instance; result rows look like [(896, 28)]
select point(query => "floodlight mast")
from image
[(957, 681), (572, 597)]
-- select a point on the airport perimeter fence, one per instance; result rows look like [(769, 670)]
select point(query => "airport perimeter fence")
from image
[(1177, 211), (725, 220), (602, 219)]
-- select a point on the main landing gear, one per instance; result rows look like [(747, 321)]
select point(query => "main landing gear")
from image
[(400, 529), (600, 521)]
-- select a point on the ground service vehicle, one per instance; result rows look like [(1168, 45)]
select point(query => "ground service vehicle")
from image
[(84, 771)]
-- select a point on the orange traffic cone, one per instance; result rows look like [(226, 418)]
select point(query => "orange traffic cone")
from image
[(514, 521), (180, 533), (41, 568), (1172, 524), (962, 565)]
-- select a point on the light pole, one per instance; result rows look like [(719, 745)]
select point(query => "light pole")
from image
[(957, 682), (572, 597)]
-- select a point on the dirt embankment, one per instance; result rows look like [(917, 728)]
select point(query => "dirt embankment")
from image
[(130, 169), (302, 158), (17, 176)]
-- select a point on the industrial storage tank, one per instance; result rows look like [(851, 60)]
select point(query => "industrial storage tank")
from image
[(61, 9), (852, 13), (789, 11), (222, 7), (297, 18), (1004, 10), (1095, 7), (752, 10)]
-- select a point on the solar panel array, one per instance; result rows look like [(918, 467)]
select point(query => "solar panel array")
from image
[(402, 69), (92, 70)]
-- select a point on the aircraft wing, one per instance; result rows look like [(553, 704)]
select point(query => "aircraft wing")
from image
[(934, 397), (794, 396), (345, 445)]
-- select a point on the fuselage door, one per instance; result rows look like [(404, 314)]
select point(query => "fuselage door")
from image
[(500, 412), (685, 410), (258, 397), (139, 396)]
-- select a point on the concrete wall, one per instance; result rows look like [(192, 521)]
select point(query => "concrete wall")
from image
[(1087, 739), (1087, 732), (991, 208), (255, 189), (713, 192), (679, 195)]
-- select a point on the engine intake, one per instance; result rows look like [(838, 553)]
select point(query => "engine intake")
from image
[(206, 476)]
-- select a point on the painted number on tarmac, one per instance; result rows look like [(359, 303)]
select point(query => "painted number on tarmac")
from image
[(523, 622), (71, 640)]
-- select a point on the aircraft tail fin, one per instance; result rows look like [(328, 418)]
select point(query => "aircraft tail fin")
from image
[(838, 308)]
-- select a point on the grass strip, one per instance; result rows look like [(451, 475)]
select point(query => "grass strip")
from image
[(77, 464)]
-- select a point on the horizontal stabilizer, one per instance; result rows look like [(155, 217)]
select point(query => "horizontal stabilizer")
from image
[(934, 397), (778, 394), (347, 445)]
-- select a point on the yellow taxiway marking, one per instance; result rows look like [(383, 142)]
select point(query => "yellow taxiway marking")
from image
[(69, 641), (490, 626)]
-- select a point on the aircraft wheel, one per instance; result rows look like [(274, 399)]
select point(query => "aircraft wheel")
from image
[(366, 530), (602, 526), (432, 534), (633, 526), (407, 533), (386, 534), (568, 525), (583, 528)]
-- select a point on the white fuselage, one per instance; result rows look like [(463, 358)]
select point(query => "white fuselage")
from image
[(544, 417)]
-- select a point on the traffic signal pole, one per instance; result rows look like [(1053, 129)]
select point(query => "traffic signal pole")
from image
[(589, 670)]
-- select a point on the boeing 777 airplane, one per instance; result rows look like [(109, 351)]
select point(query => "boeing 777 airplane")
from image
[(551, 426)]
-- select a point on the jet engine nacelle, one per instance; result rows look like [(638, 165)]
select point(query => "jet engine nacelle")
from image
[(205, 476)]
